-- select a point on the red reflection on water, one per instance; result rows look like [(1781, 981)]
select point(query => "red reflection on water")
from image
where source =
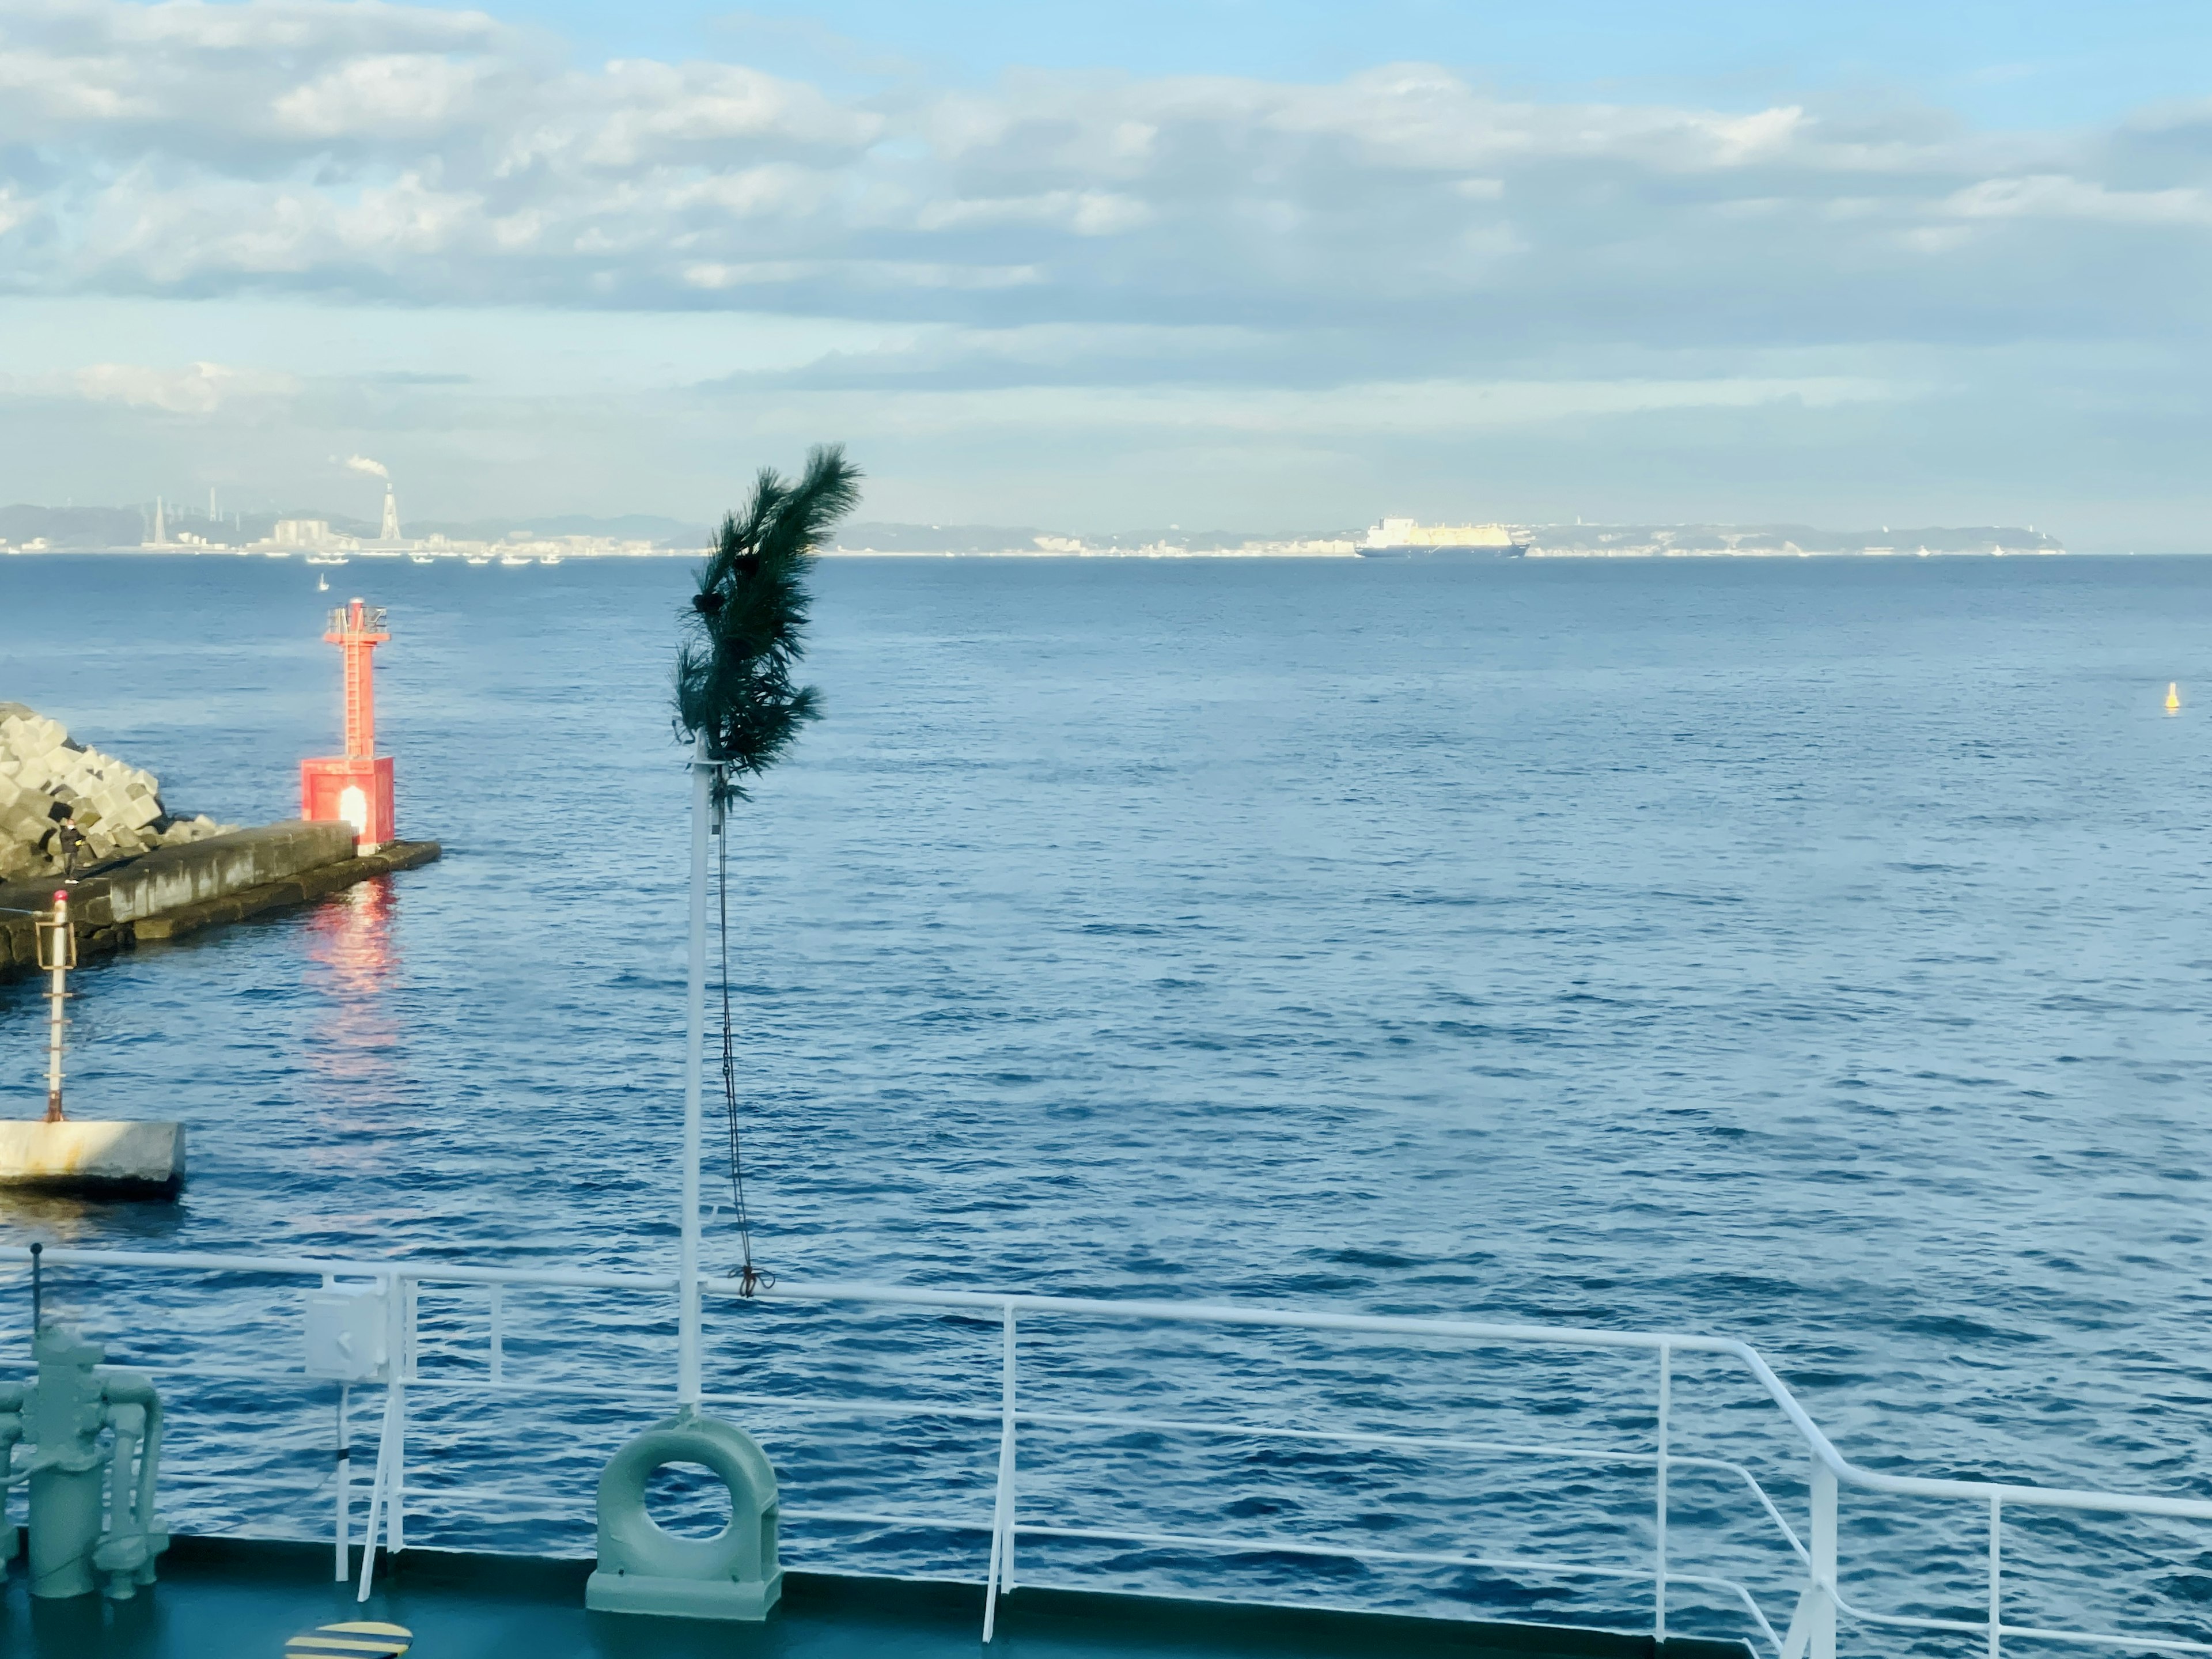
[(351, 934), (350, 940)]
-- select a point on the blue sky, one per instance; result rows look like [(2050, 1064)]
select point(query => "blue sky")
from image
[(1276, 267)]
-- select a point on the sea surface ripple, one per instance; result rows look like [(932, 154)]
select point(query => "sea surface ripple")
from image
[(1811, 952)]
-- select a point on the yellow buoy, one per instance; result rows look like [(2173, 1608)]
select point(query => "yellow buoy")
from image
[(2173, 698)]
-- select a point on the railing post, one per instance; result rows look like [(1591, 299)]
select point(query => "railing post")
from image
[(1659, 1567), (1001, 1576), (344, 1481), (403, 1372), (1997, 1625), (386, 1486), (688, 1387), (1822, 1630)]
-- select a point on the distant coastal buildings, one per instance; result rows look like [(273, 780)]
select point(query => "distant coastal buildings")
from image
[(319, 540), (1078, 547), (1409, 538), (314, 539), (1787, 541)]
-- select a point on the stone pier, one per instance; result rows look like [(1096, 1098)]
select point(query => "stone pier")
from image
[(175, 890)]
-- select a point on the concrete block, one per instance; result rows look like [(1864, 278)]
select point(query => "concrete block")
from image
[(85, 1156)]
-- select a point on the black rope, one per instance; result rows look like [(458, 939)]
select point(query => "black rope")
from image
[(751, 1280)]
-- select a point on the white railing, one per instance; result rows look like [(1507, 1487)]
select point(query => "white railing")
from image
[(1811, 1631)]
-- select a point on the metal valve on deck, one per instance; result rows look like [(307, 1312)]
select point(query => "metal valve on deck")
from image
[(92, 1502)]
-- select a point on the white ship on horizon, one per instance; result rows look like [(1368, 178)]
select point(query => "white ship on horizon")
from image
[(1407, 539)]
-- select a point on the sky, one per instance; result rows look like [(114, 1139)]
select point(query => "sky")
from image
[(1279, 267)]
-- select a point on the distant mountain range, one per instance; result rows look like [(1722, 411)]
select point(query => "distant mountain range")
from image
[(73, 526)]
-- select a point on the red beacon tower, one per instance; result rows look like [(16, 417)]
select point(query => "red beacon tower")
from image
[(355, 786)]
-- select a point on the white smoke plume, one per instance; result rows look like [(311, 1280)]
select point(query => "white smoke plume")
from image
[(374, 469)]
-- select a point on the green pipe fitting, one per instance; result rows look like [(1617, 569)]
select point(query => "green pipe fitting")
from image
[(12, 1431), (62, 1415)]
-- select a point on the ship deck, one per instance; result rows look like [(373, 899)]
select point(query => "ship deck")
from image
[(242, 1600)]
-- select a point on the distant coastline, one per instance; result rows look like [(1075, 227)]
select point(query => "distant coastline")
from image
[(541, 554), (34, 530)]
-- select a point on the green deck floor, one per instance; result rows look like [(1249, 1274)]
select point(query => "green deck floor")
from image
[(227, 1599)]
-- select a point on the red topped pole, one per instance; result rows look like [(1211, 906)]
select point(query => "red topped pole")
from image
[(356, 631), (354, 786)]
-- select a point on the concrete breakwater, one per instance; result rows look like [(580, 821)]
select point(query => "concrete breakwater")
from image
[(175, 891)]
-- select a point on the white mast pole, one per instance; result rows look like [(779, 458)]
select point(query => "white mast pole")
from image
[(687, 1337), (62, 944)]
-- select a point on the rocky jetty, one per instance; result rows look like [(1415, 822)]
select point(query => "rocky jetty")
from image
[(46, 774)]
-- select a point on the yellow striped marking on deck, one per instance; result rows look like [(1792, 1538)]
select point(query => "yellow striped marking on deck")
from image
[(360, 1640)]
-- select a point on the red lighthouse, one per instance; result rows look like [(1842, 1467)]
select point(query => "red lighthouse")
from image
[(355, 786)]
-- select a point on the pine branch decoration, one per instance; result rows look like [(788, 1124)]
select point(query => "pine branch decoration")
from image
[(745, 630)]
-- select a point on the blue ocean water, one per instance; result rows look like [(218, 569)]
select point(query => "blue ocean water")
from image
[(1810, 952)]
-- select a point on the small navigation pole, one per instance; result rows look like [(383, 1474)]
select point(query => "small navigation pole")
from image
[(356, 786), (87, 1157), (56, 956)]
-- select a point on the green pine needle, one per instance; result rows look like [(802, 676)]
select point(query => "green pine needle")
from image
[(746, 629)]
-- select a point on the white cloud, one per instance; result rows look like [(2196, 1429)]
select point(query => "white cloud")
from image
[(389, 94), (1086, 212), (1425, 408), (861, 274), (196, 389), (414, 155), (639, 110), (2056, 196)]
